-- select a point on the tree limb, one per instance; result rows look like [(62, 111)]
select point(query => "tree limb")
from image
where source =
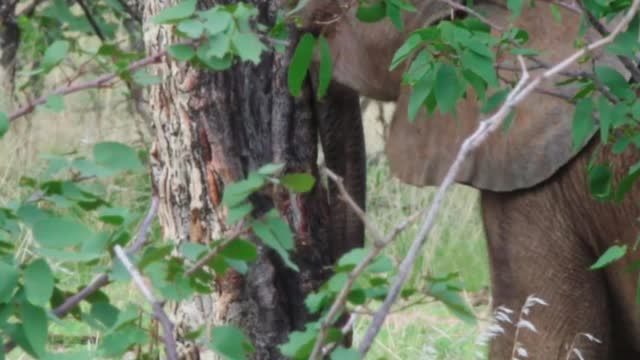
[(103, 279), (158, 311)]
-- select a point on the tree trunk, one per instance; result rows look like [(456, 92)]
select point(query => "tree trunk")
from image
[(9, 41), (213, 128)]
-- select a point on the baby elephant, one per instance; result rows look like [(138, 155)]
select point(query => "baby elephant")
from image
[(544, 230)]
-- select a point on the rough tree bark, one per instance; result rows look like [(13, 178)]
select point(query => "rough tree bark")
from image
[(9, 41), (212, 128)]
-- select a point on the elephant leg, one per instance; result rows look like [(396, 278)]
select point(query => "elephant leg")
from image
[(534, 249), (342, 139)]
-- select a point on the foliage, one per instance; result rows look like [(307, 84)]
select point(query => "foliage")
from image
[(73, 224)]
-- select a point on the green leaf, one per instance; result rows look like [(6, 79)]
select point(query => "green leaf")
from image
[(182, 10), (8, 281), (55, 103), (192, 28), (612, 254), (300, 63), (583, 123), (373, 13), (450, 297), (616, 83), (342, 353), (421, 91), (266, 233), (240, 250), (447, 88), (113, 215), (270, 169), (238, 192), (481, 66), (248, 46), (555, 12), (405, 50), (395, 15), (58, 233), (218, 45), (105, 313), (238, 212), (182, 52), (494, 101), (38, 282), (55, 54), (116, 343), (298, 182), (230, 342), (625, 44), (116, 156), (600, 178), (144, 78), (326, 66), (35, 324), (4, 124), (216, 20), (515, 6), (605, 111), (300, 343)]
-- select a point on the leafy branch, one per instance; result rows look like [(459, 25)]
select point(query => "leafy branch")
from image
[(524, 87)]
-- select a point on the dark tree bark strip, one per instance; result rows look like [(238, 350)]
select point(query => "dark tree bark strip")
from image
[(9, 42)]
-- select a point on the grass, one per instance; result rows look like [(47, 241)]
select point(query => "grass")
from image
[(456, 244)]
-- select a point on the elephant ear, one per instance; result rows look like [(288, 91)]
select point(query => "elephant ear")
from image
[(538, 141)]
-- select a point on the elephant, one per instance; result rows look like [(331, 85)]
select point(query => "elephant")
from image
[(543, 228)]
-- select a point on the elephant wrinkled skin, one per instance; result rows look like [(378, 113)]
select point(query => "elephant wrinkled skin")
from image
[(543, 227)]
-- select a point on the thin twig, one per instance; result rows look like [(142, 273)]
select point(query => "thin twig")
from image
[(92, 21), (486, 127), (91, 84), (158, 311), (239, 229)]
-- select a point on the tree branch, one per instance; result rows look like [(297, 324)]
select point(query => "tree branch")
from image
[(103, 279), (158, 311), (91, 84), (92, 21), (485, 128)]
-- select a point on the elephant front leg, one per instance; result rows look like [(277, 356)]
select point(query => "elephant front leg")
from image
[(533, 251)]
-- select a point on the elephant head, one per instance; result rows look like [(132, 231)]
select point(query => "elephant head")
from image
[(539, 140)]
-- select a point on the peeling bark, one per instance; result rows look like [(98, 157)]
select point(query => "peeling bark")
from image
[(213, 128)]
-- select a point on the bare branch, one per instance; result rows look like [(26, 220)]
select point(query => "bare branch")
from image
[(92, 21), (91, 84), (158, 312), (485, 128), (239, 229)]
